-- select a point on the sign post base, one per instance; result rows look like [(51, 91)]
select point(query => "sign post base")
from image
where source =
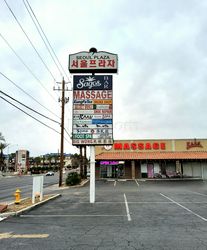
[(92, 174)]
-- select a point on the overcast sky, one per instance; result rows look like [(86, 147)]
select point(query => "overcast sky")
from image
[(161, 87)]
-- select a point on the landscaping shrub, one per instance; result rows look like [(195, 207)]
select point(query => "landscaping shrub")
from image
[(73, 179)]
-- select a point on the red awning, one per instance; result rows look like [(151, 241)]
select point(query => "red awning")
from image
[(151, 155)]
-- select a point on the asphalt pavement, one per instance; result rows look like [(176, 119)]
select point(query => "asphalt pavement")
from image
[(126, 215), (9, 183)]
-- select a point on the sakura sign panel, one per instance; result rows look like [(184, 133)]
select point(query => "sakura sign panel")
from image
[(92, 110), (93, 62)]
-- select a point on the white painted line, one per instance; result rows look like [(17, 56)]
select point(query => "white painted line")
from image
[(190, 211), (115, 184), (68, 215), (2, 218), (22, 236), (139, 202), (198, 193), (137, 182), (127, 208)]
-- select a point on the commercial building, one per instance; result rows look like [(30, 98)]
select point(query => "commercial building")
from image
[(132, 159), (22, 161)]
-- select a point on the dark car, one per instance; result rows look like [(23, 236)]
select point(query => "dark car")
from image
[(50, 173)]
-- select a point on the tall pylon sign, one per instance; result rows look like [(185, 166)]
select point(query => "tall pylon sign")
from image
[(93, 97), (92, 102)]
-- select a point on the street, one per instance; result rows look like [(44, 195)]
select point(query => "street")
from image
[(126, 215), (9, 184)]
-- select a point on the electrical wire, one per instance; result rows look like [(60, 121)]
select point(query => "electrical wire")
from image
[(27, 93), (38, 56), (29, 114), (67, 133), (34, 118), (40, 27), (42, 33), (29, 40), (31, 72), (42, 38), (29, 107)]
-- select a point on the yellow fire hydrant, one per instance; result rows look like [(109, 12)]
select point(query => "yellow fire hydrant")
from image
[(17, 195)]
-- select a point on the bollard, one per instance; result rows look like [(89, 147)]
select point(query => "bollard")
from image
[(17, 196)]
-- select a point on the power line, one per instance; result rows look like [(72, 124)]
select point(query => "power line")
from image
[(29, 115), (67, 133), (40, 27), (29, 40), (29, 107), (27, 94), (33, 117), (42, 38), (26, 65)]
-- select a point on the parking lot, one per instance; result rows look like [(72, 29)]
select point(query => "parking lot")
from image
[(126, 215)]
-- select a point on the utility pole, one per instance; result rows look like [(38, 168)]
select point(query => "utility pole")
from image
[(85, 165), (63, 101), (81, 161)]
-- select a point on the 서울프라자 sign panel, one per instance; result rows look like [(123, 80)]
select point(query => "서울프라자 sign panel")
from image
[(93, 62), (92, 110)]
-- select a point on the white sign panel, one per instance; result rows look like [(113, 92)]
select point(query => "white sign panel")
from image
[(97, 62), (37, 190)]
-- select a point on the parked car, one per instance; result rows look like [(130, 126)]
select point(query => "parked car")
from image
[(157, 175), (50, 173)]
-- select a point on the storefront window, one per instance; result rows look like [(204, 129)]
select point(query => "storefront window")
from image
[(111, 169)]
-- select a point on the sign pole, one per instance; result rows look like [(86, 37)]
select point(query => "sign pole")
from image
[(92, 174)]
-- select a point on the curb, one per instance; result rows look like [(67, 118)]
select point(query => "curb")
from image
[(4, 216), (81, 185), (56, 187)]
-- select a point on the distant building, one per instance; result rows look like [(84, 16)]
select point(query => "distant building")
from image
[(22, 161)]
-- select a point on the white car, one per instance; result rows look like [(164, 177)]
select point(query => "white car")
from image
[(50, 173)]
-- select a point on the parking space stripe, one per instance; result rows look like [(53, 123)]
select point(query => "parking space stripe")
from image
[(2, 218), (137, 182), (127, 208), (198, 193), (187, 209), (69, 215)]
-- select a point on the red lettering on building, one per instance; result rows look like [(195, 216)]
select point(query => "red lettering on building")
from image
[(194, 144), (155, 145), (148, 146), (126, 146), (140, 146), (117, 145), (134, 146)]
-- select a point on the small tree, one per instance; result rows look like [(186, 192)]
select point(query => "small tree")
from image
[(73, 179), (3, 145), (75, 160), (37, 161)]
